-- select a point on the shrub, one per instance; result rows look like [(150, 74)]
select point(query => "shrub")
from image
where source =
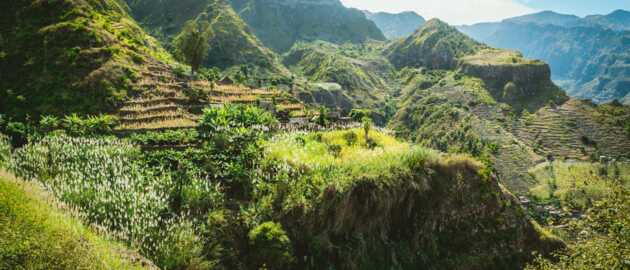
[(75, 125), (608, 247), (271, 247), (351, 138), (182, 249), (5, 150), (335, 150), (49, 123)]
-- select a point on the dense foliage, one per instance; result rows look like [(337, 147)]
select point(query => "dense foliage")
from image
[(192, 43), (62, 57), (605, 237)]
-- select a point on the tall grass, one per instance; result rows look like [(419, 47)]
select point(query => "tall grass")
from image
[(103, 180), (34, 235)]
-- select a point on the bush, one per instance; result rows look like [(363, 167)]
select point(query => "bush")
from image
[(182, 249), (5, 150), (49, 123), (271, 247), (89, 126), (608, 247), (351, 138), (335, 150)]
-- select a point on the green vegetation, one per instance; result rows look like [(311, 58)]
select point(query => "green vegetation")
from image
[(5, 150), (64, 57), (605, 242), (577, 185), (436, 45), (36, 235), (348, 198), (360, 70), (233, 44), (192, 43), (303, 21)]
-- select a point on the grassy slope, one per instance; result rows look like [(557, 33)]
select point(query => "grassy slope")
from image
[(363, 74), (396, 206), (68, 56), (435, 45), (34, 235)]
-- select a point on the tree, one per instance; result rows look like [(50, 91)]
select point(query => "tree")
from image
[(367, 125), (192, 43)]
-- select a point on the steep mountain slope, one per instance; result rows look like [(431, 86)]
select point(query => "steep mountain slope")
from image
[(361, 72), (233, 44), (479, 106), (58, 57), (396, 206), (617, 20), (588, 60), (436, 45), (281, 23), (397, 25)]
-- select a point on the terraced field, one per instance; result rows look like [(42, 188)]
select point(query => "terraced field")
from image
[(171, 102), (572, 131)]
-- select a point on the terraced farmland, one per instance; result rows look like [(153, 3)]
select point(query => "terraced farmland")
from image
[(572, 131), (172, 102)]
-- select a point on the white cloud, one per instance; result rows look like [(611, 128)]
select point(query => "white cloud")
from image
[(451, 11)]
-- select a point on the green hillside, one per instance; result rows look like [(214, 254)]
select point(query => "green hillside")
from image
[(59, 57), (361, 72), (281, 23), (35, 235), (232, 45), (435, 45)]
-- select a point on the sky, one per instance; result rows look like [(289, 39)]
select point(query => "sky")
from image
[(474, 11)]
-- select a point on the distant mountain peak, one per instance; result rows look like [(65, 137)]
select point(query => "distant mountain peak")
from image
[(546, 17), (620, 12), (396, 25)]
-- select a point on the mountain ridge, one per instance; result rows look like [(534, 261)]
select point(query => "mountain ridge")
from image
[(396, 25)]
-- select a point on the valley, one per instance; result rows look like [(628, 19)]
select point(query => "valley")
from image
[(304, 139)]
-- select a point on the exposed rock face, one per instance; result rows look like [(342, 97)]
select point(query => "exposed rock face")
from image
[(588, 57), (525, 77), (445, 219), (325, 96), (510, 78)]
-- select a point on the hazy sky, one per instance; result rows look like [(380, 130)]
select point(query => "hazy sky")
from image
[(472, 11)]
